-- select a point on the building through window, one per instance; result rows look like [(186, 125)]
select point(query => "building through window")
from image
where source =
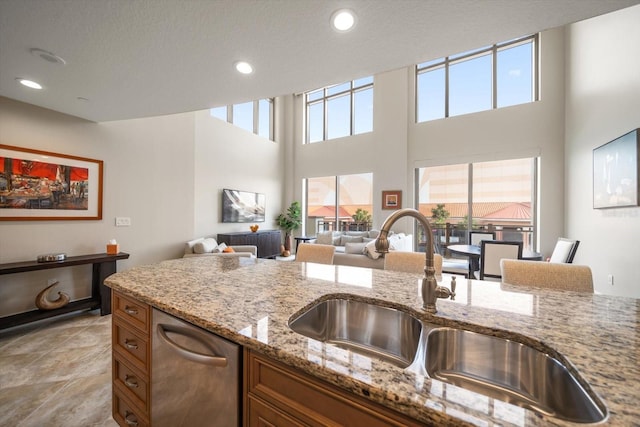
[(497, 196), (339, 203)]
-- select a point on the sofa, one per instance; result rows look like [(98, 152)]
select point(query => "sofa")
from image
[(208, 246), (357, 248)]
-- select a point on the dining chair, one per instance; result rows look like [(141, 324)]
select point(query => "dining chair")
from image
[(410, 262), (564, 251), (492, 251), (315, 252), (475, 237), (548, 275)]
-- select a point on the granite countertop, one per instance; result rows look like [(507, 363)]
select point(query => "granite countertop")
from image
[(250, 302)]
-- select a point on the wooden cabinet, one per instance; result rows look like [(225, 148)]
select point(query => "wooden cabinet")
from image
[(267, 241), (131, 355), (278, 395)]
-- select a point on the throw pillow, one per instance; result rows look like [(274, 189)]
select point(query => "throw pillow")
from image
[(349, 239), (188, 248), (205, 246), (221, 247), (367, 239), (354, 248), (325, 238), (370, 250), (228, 250)]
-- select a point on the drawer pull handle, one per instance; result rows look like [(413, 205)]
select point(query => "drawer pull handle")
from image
[(132, 345), (192, 355), (130, 381), (129, 310), (130, 419)]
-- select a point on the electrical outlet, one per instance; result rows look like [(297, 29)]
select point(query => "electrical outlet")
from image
[(123, 221), (610, 279)]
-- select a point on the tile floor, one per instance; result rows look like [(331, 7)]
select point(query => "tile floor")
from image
[(57, 373)]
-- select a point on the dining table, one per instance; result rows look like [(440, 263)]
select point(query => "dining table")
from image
[(473, 253)]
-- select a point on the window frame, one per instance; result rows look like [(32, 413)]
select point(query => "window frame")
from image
[(451, 60), (325, 96)]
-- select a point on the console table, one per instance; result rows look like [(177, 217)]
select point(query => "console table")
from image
[(103, 266)]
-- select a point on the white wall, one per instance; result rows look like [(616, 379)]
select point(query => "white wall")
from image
[(603, 103), (229, 157)]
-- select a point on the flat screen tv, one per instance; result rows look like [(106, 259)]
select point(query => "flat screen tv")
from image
[(615, 172), (242, 206)]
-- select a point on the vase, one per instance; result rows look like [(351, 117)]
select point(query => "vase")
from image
[(287, 242)]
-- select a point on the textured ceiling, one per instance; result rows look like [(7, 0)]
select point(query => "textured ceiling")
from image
[(141, 58)]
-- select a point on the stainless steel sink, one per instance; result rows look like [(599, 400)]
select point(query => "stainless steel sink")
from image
[(511, 372), (370, 329), (495, 367)]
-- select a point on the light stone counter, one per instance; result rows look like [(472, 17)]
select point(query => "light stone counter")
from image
[(250, 301)]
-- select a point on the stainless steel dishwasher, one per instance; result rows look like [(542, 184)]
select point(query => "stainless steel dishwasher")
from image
[(195, 377)]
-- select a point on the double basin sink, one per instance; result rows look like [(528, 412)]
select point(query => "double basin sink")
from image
[(496, 367)]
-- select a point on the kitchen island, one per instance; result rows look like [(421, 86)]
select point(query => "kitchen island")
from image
[(250, 302)]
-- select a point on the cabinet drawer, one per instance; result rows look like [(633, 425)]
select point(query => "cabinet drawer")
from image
[(313, 402), (131, 382), (261, 414), (131, 344), (126, 414), (134, 312)]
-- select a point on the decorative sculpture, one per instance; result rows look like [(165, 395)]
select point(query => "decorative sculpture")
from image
[(44, 304)]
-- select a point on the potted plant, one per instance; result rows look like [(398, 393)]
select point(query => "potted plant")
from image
[(362, 217), (289, 221)]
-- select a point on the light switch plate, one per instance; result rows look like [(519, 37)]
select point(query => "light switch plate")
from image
[(123, 221)]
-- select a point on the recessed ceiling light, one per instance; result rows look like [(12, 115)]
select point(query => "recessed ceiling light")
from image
[(243, 67), (343, 20), (29, 83), (47, 56)]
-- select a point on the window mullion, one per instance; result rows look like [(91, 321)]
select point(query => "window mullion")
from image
[(446, 87), (325, 116), (494, 77)]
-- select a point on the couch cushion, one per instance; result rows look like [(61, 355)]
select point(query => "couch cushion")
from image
[(374, 233), (354, 248), (350, 239), (325, 238), (205, 246), (357, 233)]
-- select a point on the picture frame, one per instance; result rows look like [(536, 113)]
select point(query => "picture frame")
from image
[(392, 199), (615, 172), (39, 185)]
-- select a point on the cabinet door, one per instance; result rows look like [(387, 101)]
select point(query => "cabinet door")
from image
[(269, 244)]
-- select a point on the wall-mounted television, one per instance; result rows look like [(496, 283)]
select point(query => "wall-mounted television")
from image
[(242, 206), (615, 172)]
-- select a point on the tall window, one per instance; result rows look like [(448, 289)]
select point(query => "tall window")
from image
[(495, 76), (341, 110), (255, 116), (498, 196), (339, 203)]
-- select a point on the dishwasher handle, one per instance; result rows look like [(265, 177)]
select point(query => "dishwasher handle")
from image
[(194, 356)]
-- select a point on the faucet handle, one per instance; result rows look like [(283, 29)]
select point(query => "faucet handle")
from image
[(453, 287)]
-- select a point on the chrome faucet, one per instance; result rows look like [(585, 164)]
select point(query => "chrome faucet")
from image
[(430, 289)]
